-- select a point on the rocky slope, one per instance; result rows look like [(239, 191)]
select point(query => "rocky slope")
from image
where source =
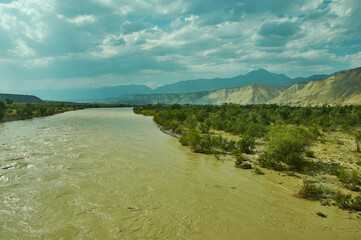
[(252, 94), (339, 89), (187, 98)]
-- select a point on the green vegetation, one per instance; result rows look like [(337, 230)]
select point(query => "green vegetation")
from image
[(350, 178), (2, 110), (254, 120), (9, 101), (240, 158), (358, 140), (346, 201), (11, 111), (273, 137), (310, 154), (313, 191), (285, 148)]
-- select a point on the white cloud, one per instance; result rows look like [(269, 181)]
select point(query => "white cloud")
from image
[(22, 49), (79, 20), (157, 41), (354, 59)]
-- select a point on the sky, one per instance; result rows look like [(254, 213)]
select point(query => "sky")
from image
[(59, 44)]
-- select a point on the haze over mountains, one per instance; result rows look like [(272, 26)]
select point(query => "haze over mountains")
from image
[(110, 94)]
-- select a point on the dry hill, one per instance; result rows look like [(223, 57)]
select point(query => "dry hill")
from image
[(339, 89), (252, 94)]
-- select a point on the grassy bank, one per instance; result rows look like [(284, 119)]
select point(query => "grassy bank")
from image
[(319, 144)]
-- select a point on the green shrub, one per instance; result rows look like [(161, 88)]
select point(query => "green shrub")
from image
[(204, 128), (198, 143), (228, 146), (335, 169), (267, 160), (2, 110), (258, 171), (175, 106), (343, 201), (356, 203), (240, 158), (246, 144), (9, 101), (217, 155), (295, 160), (313, 191), (205, 145), (350, 178), (310, 154), (286, 145), (191, 138)]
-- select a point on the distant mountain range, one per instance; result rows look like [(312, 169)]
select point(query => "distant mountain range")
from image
[(257, 87), (260, 76), (110, 94), (20, 98), (339, 89)]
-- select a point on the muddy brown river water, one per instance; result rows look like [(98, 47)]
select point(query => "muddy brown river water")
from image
[(111, 174)]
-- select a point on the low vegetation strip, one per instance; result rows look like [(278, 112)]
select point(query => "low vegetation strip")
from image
[(309, 141), (12, 111)]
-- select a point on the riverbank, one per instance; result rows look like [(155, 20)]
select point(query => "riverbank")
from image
[(326, 156), (170, 133)]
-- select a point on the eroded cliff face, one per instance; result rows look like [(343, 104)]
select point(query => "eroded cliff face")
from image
[(339, 89), (253, 94)]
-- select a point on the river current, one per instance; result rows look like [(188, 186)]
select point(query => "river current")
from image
[(111, 174)]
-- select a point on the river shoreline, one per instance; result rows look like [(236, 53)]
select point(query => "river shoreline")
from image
[(170, 133)]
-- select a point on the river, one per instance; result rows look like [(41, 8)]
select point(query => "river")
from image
[(111, 174)]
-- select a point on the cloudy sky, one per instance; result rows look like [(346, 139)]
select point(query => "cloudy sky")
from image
[(90, 43)]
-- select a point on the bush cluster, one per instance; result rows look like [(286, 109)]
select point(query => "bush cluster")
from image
[(345, 201), (313, 191), (286, 146)]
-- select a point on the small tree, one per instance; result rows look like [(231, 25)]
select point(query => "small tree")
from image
[(9, 101), (175, 106), (192, 139), (204, 128), (26, 111), (190, 123), (246, 144), (286, 145), (2, 110)]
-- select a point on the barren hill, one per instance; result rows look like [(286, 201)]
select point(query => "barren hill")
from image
[(339, 89), (252, 94)]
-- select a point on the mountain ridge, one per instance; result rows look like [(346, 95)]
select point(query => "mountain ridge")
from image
[(339, 89), (105, 94), (20, 98), (260, 76)]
